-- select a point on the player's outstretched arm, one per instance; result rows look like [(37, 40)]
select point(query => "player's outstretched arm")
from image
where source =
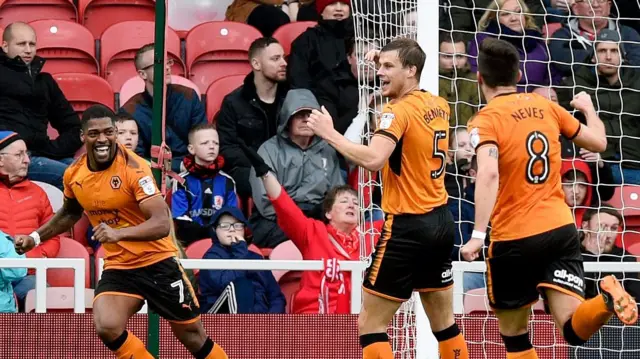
[(487, 180), (156, 226), (372, 157), (591, 137), (61, 222)]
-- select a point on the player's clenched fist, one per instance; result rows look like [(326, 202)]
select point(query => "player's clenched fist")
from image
[(471, 251), (582, 102), (23, 243), (105, 234)]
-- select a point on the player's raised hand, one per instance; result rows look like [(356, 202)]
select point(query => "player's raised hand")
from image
[(105, 234), (320, 122), (23, 243), (582, 102), (471, 251)]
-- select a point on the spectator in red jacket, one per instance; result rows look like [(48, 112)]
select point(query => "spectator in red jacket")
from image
[(332, 240), (25, 206)]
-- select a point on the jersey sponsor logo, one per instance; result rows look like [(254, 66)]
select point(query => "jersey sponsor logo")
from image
[(147, 185), (115, 182), (447, 276), (474, 137), (561, 276), (386, 119)]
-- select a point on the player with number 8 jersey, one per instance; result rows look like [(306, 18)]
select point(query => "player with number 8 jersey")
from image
[(535, 247)]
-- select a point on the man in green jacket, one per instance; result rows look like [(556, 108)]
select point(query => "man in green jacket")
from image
[(457, 84)]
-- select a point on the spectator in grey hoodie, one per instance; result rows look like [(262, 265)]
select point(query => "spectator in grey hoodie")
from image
[(305, 164)]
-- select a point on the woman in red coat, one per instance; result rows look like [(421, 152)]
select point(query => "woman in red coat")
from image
[(335, 239)]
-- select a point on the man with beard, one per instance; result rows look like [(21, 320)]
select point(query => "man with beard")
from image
[(115, 188), (458, 85), (249, 114)]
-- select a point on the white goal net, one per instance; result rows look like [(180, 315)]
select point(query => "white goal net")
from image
[(559, 58)]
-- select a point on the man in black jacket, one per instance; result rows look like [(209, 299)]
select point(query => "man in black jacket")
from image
[(250, 113), (30, 100), (318, 62)]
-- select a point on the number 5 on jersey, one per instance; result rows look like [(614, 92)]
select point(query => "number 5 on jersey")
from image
[(439, 136)]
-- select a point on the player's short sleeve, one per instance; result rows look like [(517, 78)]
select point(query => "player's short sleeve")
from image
[(482, 131), (569, 125), (142, 183), (66, 183), (393, 124)]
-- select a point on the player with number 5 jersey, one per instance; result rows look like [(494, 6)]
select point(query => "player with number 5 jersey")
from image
[(535, 247), (414, 250)]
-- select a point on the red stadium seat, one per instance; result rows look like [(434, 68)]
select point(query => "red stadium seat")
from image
[(285, 34), (69, 248), (629, 238), (217, 49), (549, 29), (135, 85), (289, 285), (59, 299), (67, 46), (634, 249), (119, 44), (197, 249), (1, 32), (627, 200), (84, 90), (99, 15), (218, 90), (79, 230), (284, 251), (32, 10)]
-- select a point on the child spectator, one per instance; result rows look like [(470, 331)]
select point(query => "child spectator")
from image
[(206, 188), (577, 184), (9, 275), (510, 20), (253, 292), (127, 131), (458, 161)]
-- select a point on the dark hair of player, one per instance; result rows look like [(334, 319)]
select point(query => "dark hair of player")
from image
[(200, 127), (498, 63), (330, 198), (95, 112), (409, 53), (260, 44)]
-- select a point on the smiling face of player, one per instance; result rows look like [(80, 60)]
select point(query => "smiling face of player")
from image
[(343, 214), (100, 138), (393, 76)]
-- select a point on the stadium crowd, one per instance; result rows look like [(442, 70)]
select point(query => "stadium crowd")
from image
[(221, 210)]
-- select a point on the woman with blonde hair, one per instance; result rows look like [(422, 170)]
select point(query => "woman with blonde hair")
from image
[(511, 20)]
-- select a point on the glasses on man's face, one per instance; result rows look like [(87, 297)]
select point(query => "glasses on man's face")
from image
[(170, 63), (18, 155), (226, 226)]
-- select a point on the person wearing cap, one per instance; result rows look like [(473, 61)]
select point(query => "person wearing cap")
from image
[(614, 89), (254, 292), (570, 46), (25, 206), (305, 164), (319, 62)]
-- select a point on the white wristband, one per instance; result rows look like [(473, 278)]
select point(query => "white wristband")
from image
[(478, 235), (36, 237)]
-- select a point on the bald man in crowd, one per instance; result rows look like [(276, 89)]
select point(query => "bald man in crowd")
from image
[(30, 101)]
